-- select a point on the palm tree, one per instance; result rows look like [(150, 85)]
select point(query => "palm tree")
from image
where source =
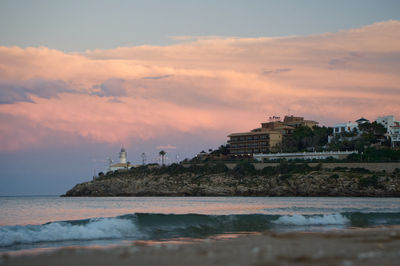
[(162, 154)]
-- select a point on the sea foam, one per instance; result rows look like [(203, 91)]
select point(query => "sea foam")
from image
[(98, 228), (326, 219)]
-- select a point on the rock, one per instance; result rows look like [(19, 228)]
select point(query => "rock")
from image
[(316, 183)]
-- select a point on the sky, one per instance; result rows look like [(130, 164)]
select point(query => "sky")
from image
[(80, 79)]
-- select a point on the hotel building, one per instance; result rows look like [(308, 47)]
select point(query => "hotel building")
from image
[(266, 139)]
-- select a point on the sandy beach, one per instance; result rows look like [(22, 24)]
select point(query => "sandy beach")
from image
[(377, 246)]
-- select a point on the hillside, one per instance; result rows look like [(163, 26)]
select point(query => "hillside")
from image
[(244, 180)]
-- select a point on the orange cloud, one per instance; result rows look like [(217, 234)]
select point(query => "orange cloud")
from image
[(202, 84)]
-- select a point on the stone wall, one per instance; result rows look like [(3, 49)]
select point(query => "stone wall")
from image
[(388, 167)]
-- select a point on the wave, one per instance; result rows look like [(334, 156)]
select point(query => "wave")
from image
[(98, 228), (326, 219), (332, 210), (160, 226)]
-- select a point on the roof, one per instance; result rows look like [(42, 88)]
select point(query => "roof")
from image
[(362, 119), (311, 121), (254, 133)]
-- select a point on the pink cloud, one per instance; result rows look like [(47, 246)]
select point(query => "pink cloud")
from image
[(216, 85)]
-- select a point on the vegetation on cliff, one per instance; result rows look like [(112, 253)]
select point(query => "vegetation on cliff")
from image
[(215, 179)]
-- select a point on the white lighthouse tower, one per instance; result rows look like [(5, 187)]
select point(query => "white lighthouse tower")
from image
[(122, 156), (123, 163)]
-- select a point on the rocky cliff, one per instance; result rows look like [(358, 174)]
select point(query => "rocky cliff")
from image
[(311, 183)]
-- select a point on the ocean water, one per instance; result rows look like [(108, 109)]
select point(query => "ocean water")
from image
[(42, 223)]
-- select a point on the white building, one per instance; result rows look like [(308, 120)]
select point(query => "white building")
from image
[(347, 127), (344, 127), (123, 164), (393, 128)]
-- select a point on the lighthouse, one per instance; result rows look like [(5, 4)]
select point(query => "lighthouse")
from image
[(123, 164), (122, 156)]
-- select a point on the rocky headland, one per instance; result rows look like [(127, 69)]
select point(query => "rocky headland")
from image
[(243, 180)]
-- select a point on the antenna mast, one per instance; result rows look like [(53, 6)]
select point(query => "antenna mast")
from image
[(143, 158)]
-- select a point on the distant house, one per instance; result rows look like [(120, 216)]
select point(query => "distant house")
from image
[(344, 127), (393, 128)]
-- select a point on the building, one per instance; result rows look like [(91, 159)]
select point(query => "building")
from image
[(386, 121), (345, 127), (362, 120), (254, 142), (268, 137), (393, 128), (395, 134), (123, 164), (297, 121)]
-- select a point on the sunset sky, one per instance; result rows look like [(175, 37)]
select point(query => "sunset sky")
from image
[(78, 80)]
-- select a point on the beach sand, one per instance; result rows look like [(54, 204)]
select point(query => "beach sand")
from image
[(377, 246)]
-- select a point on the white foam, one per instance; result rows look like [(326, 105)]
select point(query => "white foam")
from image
[(100, 228), (325, 219)]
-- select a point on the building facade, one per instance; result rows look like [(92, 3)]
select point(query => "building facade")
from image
[(267, 138), (344, 127), (393, 128), (254, 142)]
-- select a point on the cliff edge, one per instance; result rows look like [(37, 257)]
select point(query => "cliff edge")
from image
[(243, 180)]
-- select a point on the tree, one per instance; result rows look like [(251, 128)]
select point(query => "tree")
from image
[(162, 154)]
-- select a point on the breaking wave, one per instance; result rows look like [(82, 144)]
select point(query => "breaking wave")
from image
[(99, 228), (326, 219), (161, 226)]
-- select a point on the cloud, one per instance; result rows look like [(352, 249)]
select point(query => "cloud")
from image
[(159, 77), (20, 91), (110, 88), (166, 147), (10, 93), (276, 71), (210, 86)]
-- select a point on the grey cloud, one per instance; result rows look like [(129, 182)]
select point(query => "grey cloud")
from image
[(344, 62), (20, 92), (110, 88), (10, 94), (114, 100), (159, 77), (276, 71), (335, 63)]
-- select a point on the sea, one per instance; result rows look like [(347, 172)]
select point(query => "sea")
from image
[(44, 223)]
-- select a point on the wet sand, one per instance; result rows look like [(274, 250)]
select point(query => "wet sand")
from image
[(377, 246)]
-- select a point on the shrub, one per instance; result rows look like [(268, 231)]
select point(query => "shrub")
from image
[(285, 177), (334, 176), (340, 169), (219, 168), (369, 181), (244, 168), (269, 170), (360, 170), (317, 167)]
